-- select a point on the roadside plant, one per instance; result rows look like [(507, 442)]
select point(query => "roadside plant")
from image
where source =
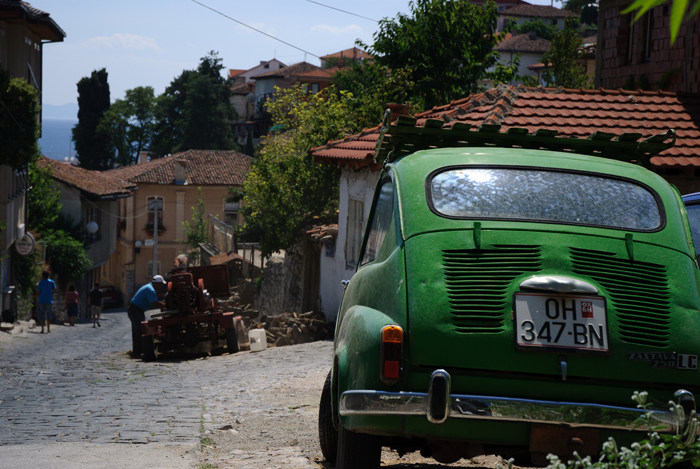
[(196, 232), (658, 450), (563, 69)]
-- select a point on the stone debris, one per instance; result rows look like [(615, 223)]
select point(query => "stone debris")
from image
[(293, 328)]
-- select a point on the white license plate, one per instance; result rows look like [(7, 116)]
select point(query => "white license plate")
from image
[(561, 322)]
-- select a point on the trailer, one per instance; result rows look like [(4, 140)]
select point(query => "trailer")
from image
[(192, 316)]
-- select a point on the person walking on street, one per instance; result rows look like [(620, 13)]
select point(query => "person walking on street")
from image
[(44, 297), (72, 304), (97, 300), (144, 299)]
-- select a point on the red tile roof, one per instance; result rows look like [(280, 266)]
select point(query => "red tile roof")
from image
[(93, 183), (352, 53), (204, 167), (300, 69), (573, 113), (523, 43), (243, 88), (233, 72), (538, 11)]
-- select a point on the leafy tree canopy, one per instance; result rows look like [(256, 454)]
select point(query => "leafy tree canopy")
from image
[(285, 190), (93, 146), (130, 123), (19, 128), (563, 68), (539, 26), (370, 86), (194, 112), (43, 199), (446, 44)]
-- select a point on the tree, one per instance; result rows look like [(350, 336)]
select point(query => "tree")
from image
[(130, 124), (285, 190), (196, 232), (370, 86), (446, 44), (19, 128), (539, 26), (93, 147), (43, 199), (194, 112), (563, 69)]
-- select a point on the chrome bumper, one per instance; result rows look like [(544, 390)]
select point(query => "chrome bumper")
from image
[(438, 408)]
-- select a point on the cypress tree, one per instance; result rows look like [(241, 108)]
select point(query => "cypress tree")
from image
[(93, 146)]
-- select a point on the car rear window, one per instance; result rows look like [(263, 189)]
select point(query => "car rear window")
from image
[(541, 195)]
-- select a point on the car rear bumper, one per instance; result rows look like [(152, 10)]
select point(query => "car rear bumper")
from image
[(438, 404)]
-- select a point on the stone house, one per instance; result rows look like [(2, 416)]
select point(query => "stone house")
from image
[(90, 196), (246, 76), (169, 187), (573, 113), (311, 78), (631, 54), (529, 46), (23, 32), (525, 12)]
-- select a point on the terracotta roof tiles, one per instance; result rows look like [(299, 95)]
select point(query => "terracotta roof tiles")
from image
[(93, 183), (204, 167), (299, 69), (571, 112), (538, 11), (523, 43)]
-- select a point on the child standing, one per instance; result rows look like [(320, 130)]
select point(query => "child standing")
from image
[(72, 304)]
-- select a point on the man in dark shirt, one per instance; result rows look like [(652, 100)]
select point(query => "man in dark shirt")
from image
[(96, 304), (144, 299)]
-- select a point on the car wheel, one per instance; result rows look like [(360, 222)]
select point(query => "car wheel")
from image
[(327, 434), (148, 351), (358, 450), (232, 339)]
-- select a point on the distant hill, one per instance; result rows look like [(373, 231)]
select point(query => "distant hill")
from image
[(65, 111)]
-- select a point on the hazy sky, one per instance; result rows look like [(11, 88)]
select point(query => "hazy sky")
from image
[(150, 42)]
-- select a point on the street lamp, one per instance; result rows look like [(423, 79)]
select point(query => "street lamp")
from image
[(92, 227), (138, 245)]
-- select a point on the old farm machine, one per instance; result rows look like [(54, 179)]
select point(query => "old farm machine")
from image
[(192, 318)]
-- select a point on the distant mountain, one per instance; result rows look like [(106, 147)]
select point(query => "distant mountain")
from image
[(65, 111)]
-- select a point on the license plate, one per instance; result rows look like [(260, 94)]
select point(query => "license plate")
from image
[(561, 322)]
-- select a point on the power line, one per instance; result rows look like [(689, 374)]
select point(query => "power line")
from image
[(256, 30), (338, 9)]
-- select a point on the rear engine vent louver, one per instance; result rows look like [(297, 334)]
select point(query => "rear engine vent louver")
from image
[(637, 290), (477, 283)]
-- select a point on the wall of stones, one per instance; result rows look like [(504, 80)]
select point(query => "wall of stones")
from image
[(282, 286)]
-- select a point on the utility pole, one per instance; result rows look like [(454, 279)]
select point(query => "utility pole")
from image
[(155, 236)]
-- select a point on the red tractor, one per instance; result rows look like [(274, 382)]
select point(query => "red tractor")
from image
[(192, 316)]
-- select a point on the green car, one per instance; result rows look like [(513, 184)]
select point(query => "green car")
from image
[(510, 301)]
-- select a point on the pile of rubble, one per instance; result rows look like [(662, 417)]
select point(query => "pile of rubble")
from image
[(293, 328), (283, 329)]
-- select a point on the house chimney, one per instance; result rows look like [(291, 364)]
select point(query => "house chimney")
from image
[(397, 110), (181, 172), (143, 157)]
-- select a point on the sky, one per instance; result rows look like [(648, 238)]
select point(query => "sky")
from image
[(150, 42)]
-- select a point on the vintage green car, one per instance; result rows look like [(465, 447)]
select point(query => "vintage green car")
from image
[(510, 301)]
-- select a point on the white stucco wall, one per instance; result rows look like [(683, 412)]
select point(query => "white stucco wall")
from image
[(358, 185), (526, 59), (70, 199)]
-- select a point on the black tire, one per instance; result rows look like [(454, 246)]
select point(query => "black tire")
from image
[(358, 450), (232, 339), (148, 348), (327, 434)]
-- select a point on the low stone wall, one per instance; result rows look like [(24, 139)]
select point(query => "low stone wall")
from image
[(281, 289)]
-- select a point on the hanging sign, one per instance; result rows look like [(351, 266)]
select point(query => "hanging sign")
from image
[(25, 245)]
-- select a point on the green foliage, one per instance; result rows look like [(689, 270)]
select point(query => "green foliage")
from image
[(643, 83), (331, 62), (66, 256), (285, 190), (447, 45), (249, 147), (19, 128), (656, 451), (370, 86), (130, 123), (93, 146), (539, 26), (680, 10), (194, 112), (196, 232), (27, 271), (43, 199), (564, 70)]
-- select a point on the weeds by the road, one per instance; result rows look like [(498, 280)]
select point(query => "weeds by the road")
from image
[(208, 466), (206, 441)]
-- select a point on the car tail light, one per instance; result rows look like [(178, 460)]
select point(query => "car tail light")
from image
[(391, 354)]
